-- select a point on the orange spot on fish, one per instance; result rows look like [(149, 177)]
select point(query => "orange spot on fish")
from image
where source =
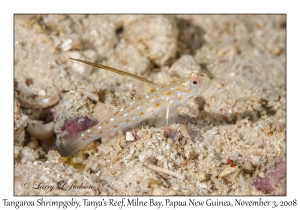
[(83, 139), (106, 122), (139, 98), (157, 96), (127, 120), (116, 113), (157, 105), (179, 98), (178, 88), (162, 86), (152, 90), (142, 103), (142, 113), (169, 93), (186, 91), (88, 137), (132, 115), (115, 126), (100, 132)]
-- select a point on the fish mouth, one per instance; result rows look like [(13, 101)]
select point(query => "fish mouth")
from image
[(206, 82)]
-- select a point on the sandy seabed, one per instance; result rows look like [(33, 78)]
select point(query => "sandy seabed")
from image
[(231, 140)]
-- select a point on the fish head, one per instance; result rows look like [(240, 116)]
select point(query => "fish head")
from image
[(199, 82)]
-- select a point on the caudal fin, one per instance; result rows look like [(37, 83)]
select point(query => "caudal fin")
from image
[(70, 145)]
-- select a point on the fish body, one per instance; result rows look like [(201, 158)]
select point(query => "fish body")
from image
[(160, 99)]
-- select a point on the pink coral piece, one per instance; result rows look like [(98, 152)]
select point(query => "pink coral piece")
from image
[(76, 125), (274, 181)]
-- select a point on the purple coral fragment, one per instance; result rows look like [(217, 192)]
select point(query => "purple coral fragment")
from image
[(76, 125), (136, 136), (171, 133), (274, 181)]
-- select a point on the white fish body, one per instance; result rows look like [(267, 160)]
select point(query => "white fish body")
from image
[(160, 99)]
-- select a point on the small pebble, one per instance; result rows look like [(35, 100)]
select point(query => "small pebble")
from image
[(28, 155), (228, 170), (203, 185), (258, 107), (40, 130), (247, 165), (254, 159), (129, 136), (163, 191), (262, 174), (213, 131), (67, 45), (184, 132), (42, 93), (33, 144), (54, 157), (201, 176)]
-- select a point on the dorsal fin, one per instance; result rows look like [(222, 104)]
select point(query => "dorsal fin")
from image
[(147, 84)]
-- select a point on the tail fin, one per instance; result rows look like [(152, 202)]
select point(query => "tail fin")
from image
[(70, 145)]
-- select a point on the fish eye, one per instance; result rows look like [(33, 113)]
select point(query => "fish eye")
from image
[(195, 80)]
